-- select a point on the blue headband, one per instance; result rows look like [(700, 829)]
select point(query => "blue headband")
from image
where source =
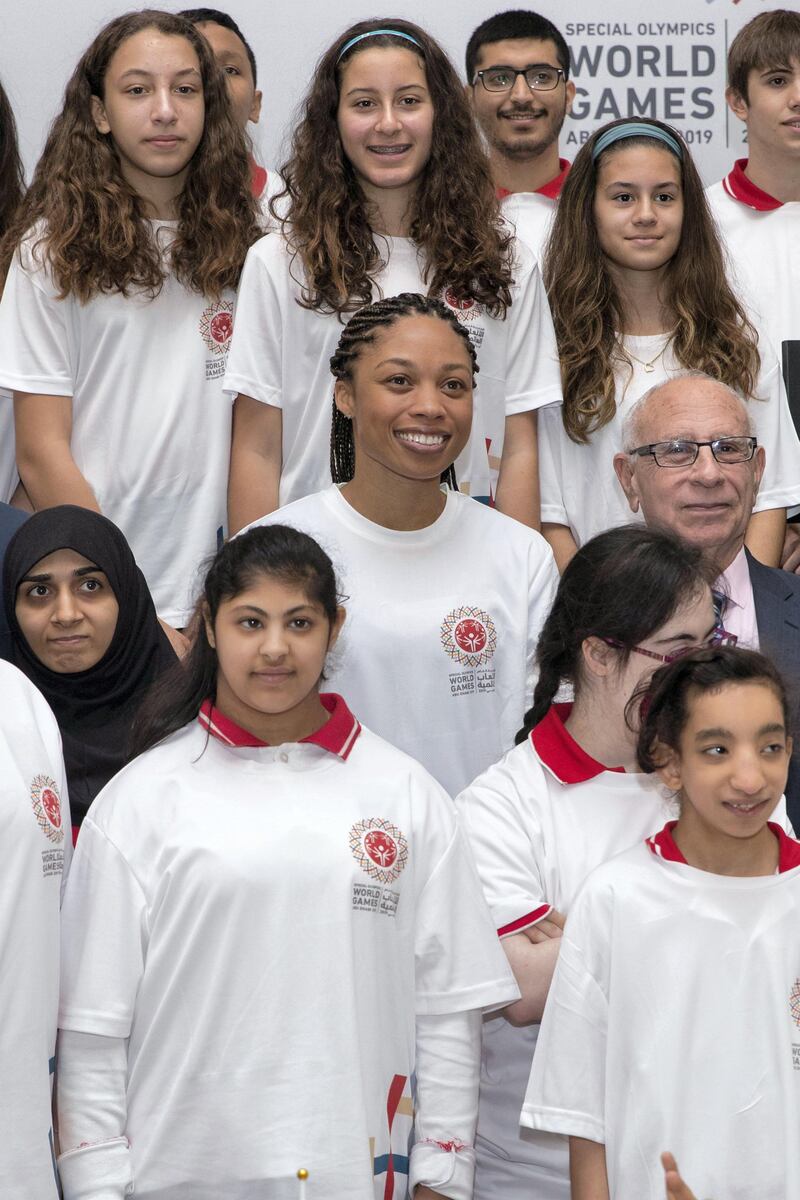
[(631, 129), (374, 33)]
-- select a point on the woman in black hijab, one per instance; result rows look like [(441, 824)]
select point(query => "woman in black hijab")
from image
[(85, 632)]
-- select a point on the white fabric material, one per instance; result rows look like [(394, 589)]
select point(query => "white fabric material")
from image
[(150, 423), (281, 354), (532, 218), (413, 600), (92, 1074), (579, 486), (9, 476), (763, 260), (223, 914), (36, 833), (534, 841), (672, 1022)]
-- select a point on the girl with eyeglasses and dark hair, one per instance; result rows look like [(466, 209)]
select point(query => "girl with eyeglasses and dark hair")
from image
[(673, 1013), (446, 596), (637, 285), (387, 191), (567, 798)]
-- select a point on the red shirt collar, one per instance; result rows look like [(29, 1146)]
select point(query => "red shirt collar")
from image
[(560, 753), (737, 185), (338, 734), (664, 845), (258, 178), (551, 189)]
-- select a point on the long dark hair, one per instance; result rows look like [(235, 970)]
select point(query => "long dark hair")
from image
[(623, 585), (276, 551), (359, 332), (11, 179), (455, 215), (662, 703)]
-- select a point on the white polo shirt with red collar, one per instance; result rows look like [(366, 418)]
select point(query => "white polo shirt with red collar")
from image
[(538, 822), (673, 1021), (265, 924), (762, 236)]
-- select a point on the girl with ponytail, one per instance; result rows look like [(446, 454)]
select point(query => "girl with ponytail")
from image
[(568, 797)]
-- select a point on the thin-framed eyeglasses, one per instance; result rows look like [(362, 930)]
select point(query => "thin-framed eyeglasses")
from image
[(679, 452), (540, 77), (718, 637)]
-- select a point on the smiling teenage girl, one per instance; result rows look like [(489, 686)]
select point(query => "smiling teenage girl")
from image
[(637, 285), (271, 926), (388, 191), (673, 1013), (117, 309)]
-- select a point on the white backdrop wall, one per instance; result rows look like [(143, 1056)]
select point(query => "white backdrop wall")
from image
[(629, 58)]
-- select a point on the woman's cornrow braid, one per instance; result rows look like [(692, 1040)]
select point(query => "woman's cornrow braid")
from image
[(359, 332)]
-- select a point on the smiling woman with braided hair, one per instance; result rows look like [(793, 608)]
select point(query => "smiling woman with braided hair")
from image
[(446, 596)]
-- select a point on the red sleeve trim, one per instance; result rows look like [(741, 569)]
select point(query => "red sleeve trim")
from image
[(531, 918)]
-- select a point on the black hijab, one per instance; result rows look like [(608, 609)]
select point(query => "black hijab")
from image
[(94, 708)]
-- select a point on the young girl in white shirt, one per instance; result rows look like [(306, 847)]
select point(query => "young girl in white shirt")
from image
[(673, 1016), (446, 597), (388, 190), (567, 798), (637, 285), (118, 304), (272, 927)]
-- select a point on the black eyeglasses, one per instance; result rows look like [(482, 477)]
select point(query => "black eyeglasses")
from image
[(681, 453), (539, 78), (718, 637)]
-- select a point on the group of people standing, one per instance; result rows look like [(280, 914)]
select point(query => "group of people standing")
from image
[(476, 438)]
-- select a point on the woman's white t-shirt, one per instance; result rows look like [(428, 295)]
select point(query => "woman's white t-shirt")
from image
[(281, 356), (150, 423), (37, 841), (579, 487), (437, 651), (264, 924), (673, 1023)]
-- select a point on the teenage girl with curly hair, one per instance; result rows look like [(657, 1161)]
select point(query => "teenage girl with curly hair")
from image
[(636, 281), (118, 303), (387, 191)]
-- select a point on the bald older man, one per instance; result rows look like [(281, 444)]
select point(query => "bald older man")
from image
[(692, 464)]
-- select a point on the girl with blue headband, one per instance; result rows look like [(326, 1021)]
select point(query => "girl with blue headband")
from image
[(637, 286), (387, 191)]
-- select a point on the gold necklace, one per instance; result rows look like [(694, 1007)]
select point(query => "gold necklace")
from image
[(649, 366)]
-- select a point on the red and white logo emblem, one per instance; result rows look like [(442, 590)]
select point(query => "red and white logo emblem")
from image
[(465, 310), (47, 807), (379, 848), (794, 1002), (469, 636), (216, 326)]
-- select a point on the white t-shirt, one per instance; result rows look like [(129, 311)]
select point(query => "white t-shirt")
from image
[(762, 236), (281, 356), (579, 486), (150, 423), (531, 215), (36, 834), (673, 1022), (538, 822), (437, 651), (264, 924)]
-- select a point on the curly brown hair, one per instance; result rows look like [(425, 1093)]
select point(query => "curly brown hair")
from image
[(91, 226), (712, 332), (455, 215), (11, 180)]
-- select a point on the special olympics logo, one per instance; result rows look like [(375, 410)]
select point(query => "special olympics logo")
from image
[(379, 848), (794, 1002), (216, 326), (47, 807), (469, 636), (465, 310)]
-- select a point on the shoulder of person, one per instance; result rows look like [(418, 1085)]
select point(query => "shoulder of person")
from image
[(784, 584), (517, 779), (309, 512), (500, 531)]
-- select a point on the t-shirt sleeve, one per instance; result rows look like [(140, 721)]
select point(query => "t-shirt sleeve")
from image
[(551, 483), (566, 1091), (459, 962), (255, 359), (34, 335), (505, 838), (774, 428), (533, 374), (104, 936)]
